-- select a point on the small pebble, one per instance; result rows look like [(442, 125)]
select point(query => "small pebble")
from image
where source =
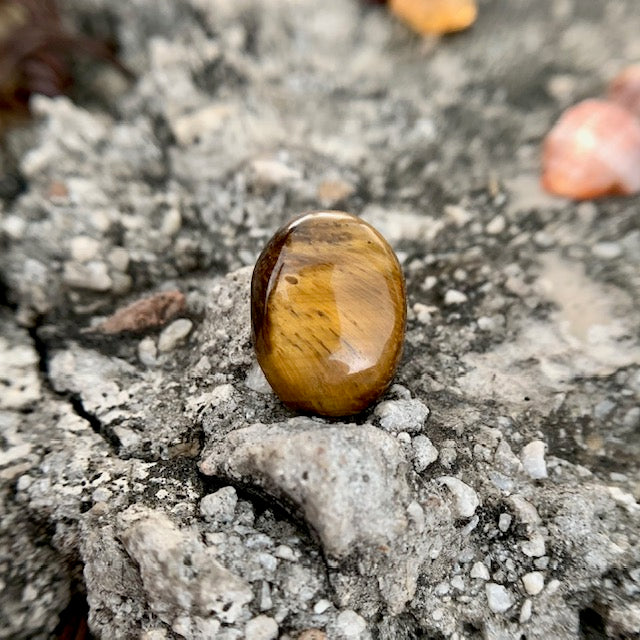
[(470, 526), (525, 611), (84, 248), (147, 351), (284, 552), (465, 499), (350, 625), (429, 283), (321, 606), (402, 415), (490, 323), (219, 505), (496, 226), (504, 521), (266, 602), (532, 457), (553, 586), (457, 582), (480, 571), (122, 283), (171, 222), (175, 333), (631, 419), (416, 515), (623, 499), (92, 276), (268, 171), (256, 380), (448, 454), (498, 597), (525, 512), (543, 240), (607, 250), (533, 582), (261, 628), (424, 453), (459, 215), (534, 547), (423, 312), (119, 258), (453, 296), (603, 409)]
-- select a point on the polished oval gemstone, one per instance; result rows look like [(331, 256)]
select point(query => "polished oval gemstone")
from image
[(328, 312)]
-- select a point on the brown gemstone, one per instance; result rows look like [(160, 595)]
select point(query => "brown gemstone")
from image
[(328, 312)]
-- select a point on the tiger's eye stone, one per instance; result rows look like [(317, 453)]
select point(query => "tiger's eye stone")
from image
[(328, 312)]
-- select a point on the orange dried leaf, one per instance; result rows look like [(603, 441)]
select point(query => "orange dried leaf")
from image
[(144, 314), (435, 16)]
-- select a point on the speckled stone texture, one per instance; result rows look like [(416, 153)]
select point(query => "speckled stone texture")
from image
[(491, 493)]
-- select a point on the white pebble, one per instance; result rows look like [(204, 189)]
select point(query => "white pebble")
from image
[(274, 172), (534, 547), (122, 283), (175, 333), (220, 505), (526, 513), (470, 526), (453, 296), (261, 628), (533, 582), (171, 222), (607, 250), (84, 248), (416, 515), (14, 226), (464, 497), (429, 283), (480, 571), (284, 552), (459, 215), (350, 625), (119, 258), (457, 582), (256, 380), (498, 597), (92, 276), (147, 351), (623, 498), (321, 606), (504, 521), (553, 586), (525, 611), (448, 454), (490, 323), (532, 457), (402, 415), (424, 453), (496, 226), (423, 312)]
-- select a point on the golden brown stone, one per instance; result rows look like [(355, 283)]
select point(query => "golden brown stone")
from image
[(328, 311)]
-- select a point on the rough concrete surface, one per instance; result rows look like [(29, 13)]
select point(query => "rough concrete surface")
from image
[(491, 493)]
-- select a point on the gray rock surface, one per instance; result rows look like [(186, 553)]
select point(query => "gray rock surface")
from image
[(155, 476)]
